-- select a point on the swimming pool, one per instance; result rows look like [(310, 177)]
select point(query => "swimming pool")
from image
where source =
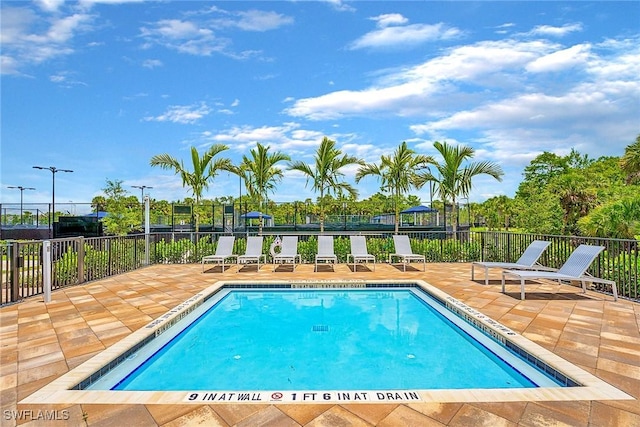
[(77, 386), (289, 339)]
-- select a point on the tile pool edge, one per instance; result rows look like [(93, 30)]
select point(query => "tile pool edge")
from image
[(60, 390)]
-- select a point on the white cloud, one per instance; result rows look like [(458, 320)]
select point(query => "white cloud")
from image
[(184, 36), (243, 136), (200, 35), (9, 65), (548, 30), (411, 90), (152, 63), (257, 20), (561, 59), (288, 137), (24, 43), (50, 5), (340, 5), (625, 63), (235, 102), (389, 19), (57, 79), (404, 36), (183, 114)]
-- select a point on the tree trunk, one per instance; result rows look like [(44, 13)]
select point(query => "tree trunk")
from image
[(194, 211), (454, 217), (397, 216), (321, 211)]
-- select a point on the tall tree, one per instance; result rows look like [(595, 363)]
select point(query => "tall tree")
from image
[(630, 162), (205, 168), (123, 217), (260, 173), (618, 220), (577, 196), (497, 212), (456, 172), (398, 174), (99, 204), (326, 174)]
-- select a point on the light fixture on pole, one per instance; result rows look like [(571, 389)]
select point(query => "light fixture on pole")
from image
[(141, 187), (21, 188), (53, 171)]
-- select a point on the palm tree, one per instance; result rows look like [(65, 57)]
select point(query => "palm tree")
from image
[(397, 173), (617, 220), (630, 162), (260, 173), (326, 175), (453, 178), (205, 168)]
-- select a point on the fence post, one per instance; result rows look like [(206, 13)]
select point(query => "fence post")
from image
[(46, 269), (146, 230), (108, 246), (80, 251), (14, 257)]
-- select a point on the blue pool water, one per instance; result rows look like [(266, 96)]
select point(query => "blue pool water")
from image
[(322, 340)]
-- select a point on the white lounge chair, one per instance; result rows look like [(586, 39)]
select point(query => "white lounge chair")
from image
[(253, 252), (325, 251), (289, 252), (405, 253), (224, 251), (359, 252), (527, 261), (574, 269)]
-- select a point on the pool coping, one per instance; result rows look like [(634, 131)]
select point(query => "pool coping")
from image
[(60, 390)]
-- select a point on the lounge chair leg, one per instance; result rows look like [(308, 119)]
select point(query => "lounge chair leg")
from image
[(486, 276), (503, 283), (522, 289)]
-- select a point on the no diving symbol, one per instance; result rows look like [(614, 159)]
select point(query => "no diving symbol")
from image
[(276, 396)]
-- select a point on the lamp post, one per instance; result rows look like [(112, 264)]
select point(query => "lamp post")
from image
[(21, 188), (344, 214), (53, 171), (141, 187)]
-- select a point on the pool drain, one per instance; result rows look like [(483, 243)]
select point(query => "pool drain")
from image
[(320, 328)]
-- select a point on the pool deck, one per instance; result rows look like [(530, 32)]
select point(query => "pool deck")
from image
[(40, 342)]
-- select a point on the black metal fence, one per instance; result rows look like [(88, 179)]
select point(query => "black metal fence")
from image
[(78, 260)]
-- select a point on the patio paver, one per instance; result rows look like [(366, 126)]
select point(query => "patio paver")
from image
[(40, 342)]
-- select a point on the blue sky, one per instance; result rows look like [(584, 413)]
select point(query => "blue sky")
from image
[(100, 87)]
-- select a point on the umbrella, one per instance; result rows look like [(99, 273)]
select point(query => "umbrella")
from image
[(418, 209), (255, 215)]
